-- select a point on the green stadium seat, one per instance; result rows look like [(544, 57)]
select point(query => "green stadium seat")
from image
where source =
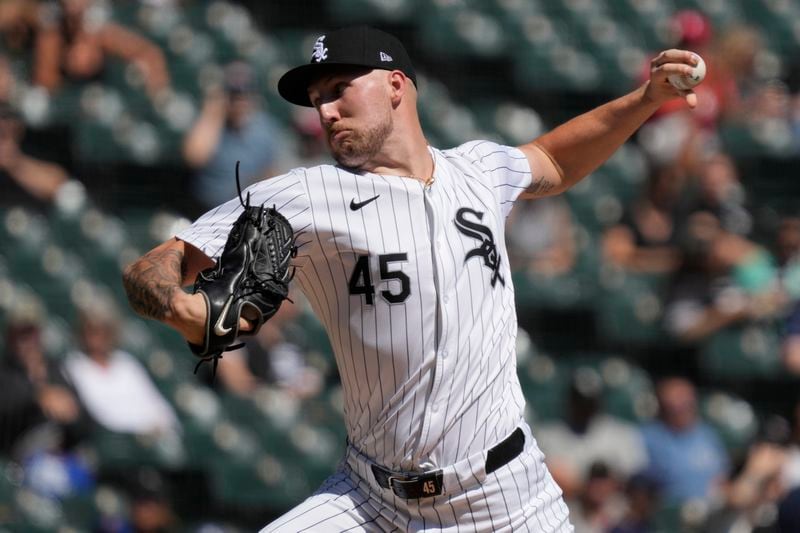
[(750, 351), (8, 483), (460, 32), (594, 201), (123, 450), (536, 291), (33, 513), (58, 336), (576, 289), (369, 11), (733, 417), (80, 512), (628, 390), (630, 307), (668, 518), (544, 382), (627, 171), (265, 482)]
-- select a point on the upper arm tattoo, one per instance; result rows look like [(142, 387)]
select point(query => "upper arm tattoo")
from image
[(150, 282), (541, 186)]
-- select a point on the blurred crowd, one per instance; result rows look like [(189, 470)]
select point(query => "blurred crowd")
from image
[(721, 263), (671, 473)]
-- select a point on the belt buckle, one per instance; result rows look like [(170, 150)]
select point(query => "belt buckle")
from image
[(401, 479)]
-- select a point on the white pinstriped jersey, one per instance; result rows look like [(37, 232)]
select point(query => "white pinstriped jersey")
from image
[(414, 289)]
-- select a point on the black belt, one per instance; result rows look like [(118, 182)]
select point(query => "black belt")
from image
[(430, 483)]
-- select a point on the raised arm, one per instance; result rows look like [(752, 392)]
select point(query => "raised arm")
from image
[(565, 155), (134, 48), (154, 286), (203, 138)]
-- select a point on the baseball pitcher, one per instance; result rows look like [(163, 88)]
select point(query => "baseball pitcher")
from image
[(400, 249)]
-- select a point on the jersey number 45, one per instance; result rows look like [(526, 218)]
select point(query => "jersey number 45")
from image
[(361, 278)]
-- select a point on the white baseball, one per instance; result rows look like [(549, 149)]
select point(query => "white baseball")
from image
[(685, 82)]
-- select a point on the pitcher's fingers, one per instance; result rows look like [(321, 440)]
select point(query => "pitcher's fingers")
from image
[(245, 325), (674, 56), (691, 98)]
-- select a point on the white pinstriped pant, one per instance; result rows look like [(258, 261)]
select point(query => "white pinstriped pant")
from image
[(520, 496)]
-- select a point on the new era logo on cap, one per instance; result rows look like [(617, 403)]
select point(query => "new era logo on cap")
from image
[(345, 48)]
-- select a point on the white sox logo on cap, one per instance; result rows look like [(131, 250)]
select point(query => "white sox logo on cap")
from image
[(320, 53), (345, 48)]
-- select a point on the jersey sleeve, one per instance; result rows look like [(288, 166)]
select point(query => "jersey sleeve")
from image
[(505, 167), (287, 193)]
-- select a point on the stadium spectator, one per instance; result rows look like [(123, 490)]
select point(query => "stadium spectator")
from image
[(787, 254), (789, 512), (27, 180), (788, 257), (790, 474), (587, 436), (692, 30), (725, 279), (795, 119), (685, 455), (770, 116), (599, 504), (541, 237), (642, 498), (755, 487), (40, 418), (58, 473), (791, 341), (719, 191), (8, 80), (36, 404), (311, 149), (112, 385), (678, 136), (150, 504), (736, 54), (75, 39), (645, 240), (18, 22), (232, 127)]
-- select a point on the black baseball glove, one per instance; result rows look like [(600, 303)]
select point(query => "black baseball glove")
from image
[(250, 280)]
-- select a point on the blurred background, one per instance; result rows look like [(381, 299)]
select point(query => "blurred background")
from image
[(659, 300)]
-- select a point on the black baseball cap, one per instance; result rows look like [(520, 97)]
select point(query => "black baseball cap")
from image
[(358, 46)]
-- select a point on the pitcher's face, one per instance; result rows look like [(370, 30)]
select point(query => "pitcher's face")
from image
[(355, 110)]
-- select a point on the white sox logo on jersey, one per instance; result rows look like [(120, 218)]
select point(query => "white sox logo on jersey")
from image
[(487, 248), (320, 53)]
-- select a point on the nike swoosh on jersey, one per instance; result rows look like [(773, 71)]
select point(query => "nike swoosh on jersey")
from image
[(355, 206)]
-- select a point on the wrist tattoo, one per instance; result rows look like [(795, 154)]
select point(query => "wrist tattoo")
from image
[(150, 282)]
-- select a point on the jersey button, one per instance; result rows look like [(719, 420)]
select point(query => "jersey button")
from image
[(444, 354), (445, 300), (434, 408)]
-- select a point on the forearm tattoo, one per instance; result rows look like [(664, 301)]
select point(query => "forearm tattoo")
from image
[(150, 282), (541, 186)]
